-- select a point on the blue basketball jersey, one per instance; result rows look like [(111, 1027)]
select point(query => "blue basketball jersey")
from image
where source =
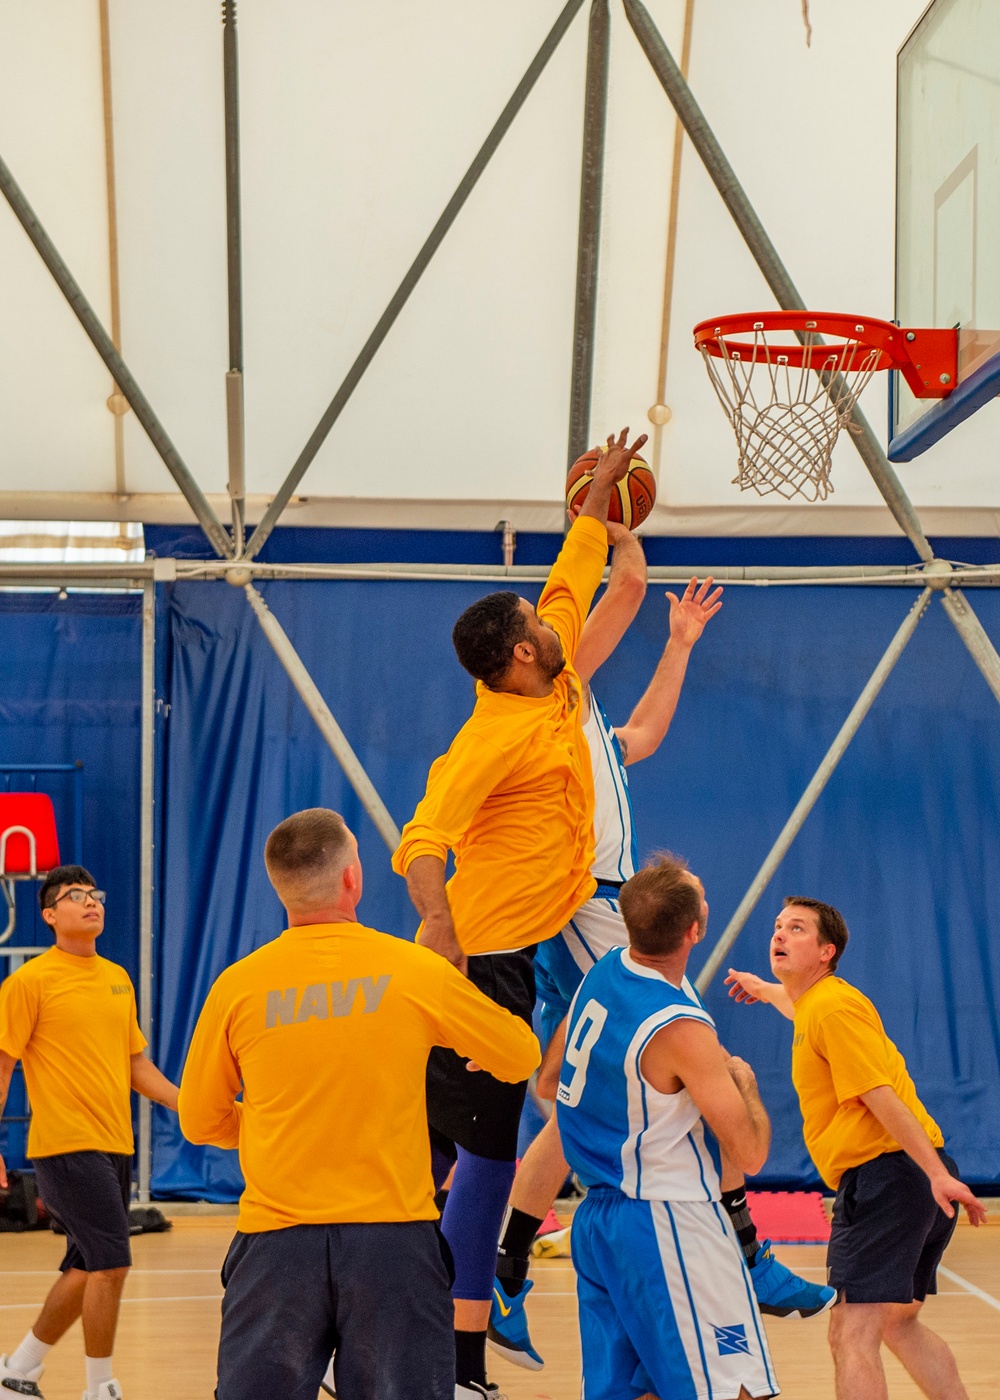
[(615, 852), (616, 1129)]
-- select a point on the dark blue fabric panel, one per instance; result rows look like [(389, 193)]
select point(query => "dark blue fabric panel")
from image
[(295, 544), (70, 689), (904, 840)]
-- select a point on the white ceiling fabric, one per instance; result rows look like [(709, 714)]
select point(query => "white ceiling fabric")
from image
[(357, 122)]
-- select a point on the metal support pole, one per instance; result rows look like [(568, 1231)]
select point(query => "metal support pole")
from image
[(413, 276), (819, 781), (146, 870), (595, 114), (328, 726), (117, 367), (765, 254), (234, 251), (973, 634)]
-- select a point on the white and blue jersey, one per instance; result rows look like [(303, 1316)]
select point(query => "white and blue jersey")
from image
[(616, 1129), (562, 962), (665, 1298), (615, 853)]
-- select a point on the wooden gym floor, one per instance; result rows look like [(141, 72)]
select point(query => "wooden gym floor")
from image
[(170, 1318)]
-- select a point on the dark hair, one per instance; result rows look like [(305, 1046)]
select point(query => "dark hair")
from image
[(305, 844), (832, 928), (486, 634), (63, 875), (659, 904)]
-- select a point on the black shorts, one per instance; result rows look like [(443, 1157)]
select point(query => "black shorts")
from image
[(476, 1111), (88, 1194), (888, 1232), (378, 1295)]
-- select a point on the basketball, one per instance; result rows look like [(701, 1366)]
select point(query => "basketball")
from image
[(633, 496)]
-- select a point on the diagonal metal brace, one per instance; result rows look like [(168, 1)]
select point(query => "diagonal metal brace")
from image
[(403, 292), (973, 634), (320, 711), (818, 782), (117, 367), (764, 253)]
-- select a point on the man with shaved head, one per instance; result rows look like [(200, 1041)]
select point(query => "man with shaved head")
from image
[(326, 1031)]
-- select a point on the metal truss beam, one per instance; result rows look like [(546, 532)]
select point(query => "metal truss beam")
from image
[(818, 782), (595, 115), (234, 264), (117, 367), (405, 289)]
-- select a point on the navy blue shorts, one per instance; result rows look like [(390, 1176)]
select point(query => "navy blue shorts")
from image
[(379, 1295), (888, 1232), (88, 1194), (476, 1111)]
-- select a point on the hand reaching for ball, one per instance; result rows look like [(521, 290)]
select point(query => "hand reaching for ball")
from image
[(615, 462), (689, 613), (612, 483)]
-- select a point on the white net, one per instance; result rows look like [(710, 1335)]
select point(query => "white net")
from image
[(787, 417)]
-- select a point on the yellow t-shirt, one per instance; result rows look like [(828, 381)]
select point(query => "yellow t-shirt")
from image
[(514, 795), (71, 1022), (839, 1051), (327, 1030)]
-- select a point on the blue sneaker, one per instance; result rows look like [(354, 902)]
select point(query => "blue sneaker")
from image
[(508, 1329), (782, 1293)]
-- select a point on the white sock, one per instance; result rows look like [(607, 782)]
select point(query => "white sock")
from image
[(98, 1371), (29, 1355)]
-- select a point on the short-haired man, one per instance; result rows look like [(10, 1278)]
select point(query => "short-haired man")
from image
[(666, 1303), (69, 1016), (327, 1031), (875, 1144), (514, 799)]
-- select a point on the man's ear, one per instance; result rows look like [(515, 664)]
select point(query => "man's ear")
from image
[(524, 651), (48, 916), (350, 877)]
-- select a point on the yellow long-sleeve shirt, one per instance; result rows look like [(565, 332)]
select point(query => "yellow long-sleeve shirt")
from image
[(514, 795), (327, 1031)]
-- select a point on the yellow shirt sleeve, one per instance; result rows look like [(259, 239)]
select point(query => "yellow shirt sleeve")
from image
[(574, 579), (136, 1040), (207, 1105), (500, 1042), (854, 1046), (457, 786), (18, 1013)]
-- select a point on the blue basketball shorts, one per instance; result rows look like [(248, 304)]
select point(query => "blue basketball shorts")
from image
[(666, 1302), (561, 963)]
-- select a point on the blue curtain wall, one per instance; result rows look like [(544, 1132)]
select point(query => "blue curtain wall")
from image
[(904, 839), (70, 690)]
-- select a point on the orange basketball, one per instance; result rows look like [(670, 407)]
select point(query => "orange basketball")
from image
[(633, 496)]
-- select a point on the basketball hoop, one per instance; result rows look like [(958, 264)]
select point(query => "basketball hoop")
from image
[(787, 402)]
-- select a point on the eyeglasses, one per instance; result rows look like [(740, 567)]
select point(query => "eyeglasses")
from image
[(81, 896)]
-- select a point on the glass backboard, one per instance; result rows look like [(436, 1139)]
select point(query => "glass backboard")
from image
[(948, 209)]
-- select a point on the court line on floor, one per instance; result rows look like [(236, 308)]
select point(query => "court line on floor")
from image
[(45, 1273), (970, 1287), (176, 1298)]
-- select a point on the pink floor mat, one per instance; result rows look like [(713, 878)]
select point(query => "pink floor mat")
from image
[(789, 1217)]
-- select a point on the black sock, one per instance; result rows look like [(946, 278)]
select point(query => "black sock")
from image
[(515, 1244), (441, 1199), (735, 1203), (470, 1358)]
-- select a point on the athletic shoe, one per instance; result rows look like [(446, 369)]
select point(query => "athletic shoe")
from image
[(550, 1224), (475, 1391), (508, 1329), (781, 1293), (19, 1382), (107, 1390), (554, 1245)]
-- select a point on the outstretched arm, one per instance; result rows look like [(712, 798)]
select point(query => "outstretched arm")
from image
[(616, 611), (747, 987), (650, 720)]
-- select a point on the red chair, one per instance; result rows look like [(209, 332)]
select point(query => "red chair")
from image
[(29, 846)]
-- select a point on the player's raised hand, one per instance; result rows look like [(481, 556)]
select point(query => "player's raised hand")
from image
[(689, 613), (745, 986), (615, 462)]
